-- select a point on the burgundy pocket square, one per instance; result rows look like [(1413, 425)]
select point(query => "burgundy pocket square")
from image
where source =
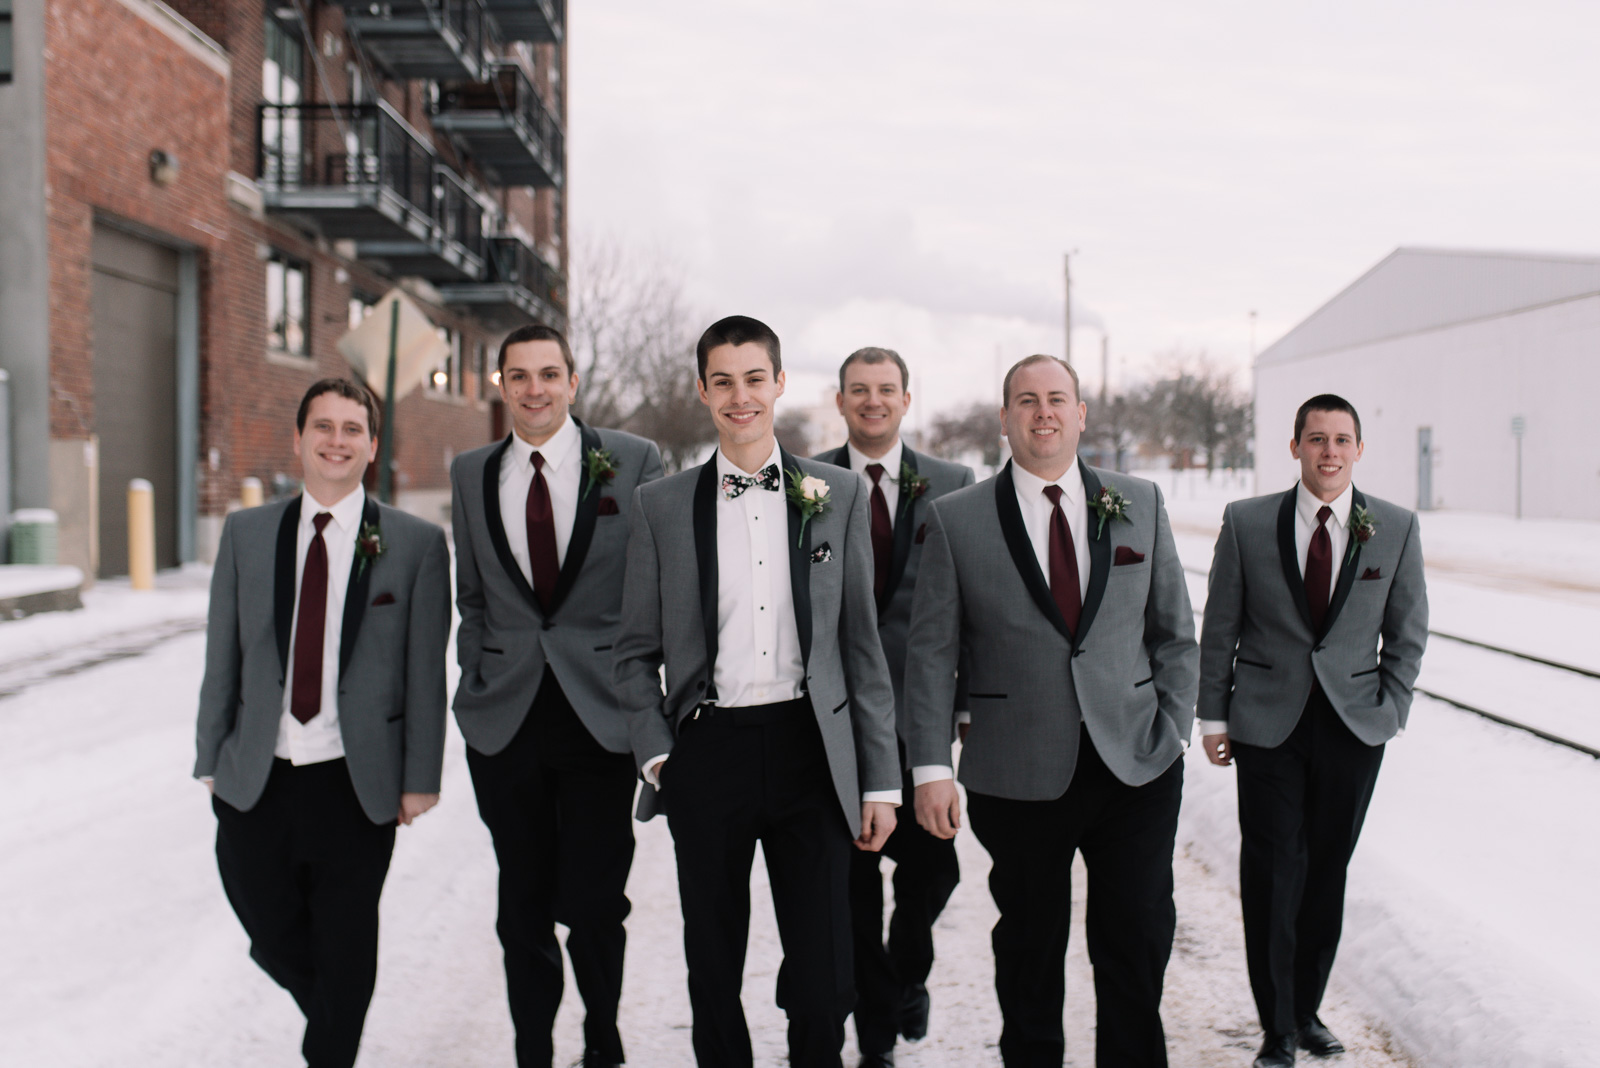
[(922, 534), (383, 598), (608, 506), (1372, 573), (1126, 555)]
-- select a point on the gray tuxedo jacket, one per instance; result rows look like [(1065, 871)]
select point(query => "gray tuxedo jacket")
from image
[(1129, 672), (669, 612), (910, 531), (505, 641), (391, 657), (1258, 652)]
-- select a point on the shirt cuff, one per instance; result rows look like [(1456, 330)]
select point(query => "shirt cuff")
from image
[(1213, 726), (963, 717), (884, 797), (652, 769), (931, 773)]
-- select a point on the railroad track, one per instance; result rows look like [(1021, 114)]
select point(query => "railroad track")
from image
[(1496, 717)]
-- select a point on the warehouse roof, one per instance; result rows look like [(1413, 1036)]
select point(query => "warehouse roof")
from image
[(1418, 289)]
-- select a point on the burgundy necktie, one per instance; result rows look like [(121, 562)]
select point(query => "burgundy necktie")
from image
[(1319, 568), (1063, 563), (305, 697), (542, 561), (882, 535)]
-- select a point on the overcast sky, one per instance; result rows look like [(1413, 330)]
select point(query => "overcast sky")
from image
[(908, 173)]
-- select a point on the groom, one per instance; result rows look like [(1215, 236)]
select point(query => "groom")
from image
[(1315, 623), (750, 580)]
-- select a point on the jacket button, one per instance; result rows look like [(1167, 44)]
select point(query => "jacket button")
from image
[(700, 685), (546, 625)]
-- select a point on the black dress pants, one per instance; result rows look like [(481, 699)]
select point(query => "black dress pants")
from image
[(559, 808), (926, 873), (1126, 834), (304, 870), (735, 777), (1301, 807)]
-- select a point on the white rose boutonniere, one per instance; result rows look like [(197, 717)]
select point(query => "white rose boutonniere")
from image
[(810, 495)]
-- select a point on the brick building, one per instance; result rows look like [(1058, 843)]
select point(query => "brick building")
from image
[(200, 197)]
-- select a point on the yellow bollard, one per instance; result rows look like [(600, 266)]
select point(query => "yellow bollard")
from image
[(141, 535), (250, 492)]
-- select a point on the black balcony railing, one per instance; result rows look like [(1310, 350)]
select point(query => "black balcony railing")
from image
[(512, 262), (529, 20), (518, 287), (506, 125), (440, 39)]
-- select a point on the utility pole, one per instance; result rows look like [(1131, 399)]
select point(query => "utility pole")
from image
[(1105, 369), (1067, 273)]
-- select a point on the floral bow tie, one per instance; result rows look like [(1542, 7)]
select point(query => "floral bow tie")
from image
[(766, 478)]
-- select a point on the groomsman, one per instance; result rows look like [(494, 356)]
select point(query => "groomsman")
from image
[(1315, 623), (750, 581), (322, 714), (540, 523), (1061, 586), (891, 980)]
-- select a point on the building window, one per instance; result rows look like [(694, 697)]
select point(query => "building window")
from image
[(282, 76), (286, 305), (446, 378), (361, 306), (5, 41), (480, 367)]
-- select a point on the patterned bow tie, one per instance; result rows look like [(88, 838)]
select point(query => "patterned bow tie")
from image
[(766, 478)]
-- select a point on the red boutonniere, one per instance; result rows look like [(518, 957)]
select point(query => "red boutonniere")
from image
[(912, 485), (1363, 525), (369, 546)]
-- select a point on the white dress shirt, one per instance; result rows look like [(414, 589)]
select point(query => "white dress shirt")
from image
[(1036, 512), (1306, 507), (758, 642), (563, 474), (318, 739), (890, 483)]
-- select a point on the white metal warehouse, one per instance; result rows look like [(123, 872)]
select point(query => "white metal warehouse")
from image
[(1457, 361)]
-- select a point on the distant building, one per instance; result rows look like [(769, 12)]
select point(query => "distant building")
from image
[(199, 197), (1453, 359)]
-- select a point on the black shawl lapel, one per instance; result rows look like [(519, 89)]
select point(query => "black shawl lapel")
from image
[(705, 551), (1099, 553), (583, 519), (905, 526), (1022, 555), (799, 561), (1347, 572), (1289, 557), (355, 594), (839, 457), (283, 582), (496, 523)]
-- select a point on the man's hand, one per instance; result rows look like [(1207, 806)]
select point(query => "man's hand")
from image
[(414, 805), (1217, 750), (877, 821), (211, 786), (939, 808)]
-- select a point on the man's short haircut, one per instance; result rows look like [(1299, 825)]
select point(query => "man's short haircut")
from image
[(536, 332), (1325, 402), (871, 354), (1029, 361), (737, 330), (345, 388)]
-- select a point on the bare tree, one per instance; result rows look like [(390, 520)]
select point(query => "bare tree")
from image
[(793, 431), (1196, 409), (973, 428), (633, 336)]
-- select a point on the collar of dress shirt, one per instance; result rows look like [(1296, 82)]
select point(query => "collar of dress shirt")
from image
[(557, 450), (346, 511), (1030, 487), (726, 466), (890, 460), (1307, 504)]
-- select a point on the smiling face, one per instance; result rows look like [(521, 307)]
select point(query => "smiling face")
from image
[(1327, 450), (740, 388), (537, 388), (335, 447), (1043, 419), (873, 403)]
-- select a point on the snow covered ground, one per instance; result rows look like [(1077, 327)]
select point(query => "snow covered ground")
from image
[(1470, 938)]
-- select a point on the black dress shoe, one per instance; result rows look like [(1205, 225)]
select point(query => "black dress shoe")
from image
[(1318, 1041), (914, 1013), (1276, 1052), (591, 1059), (877, 1060)]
